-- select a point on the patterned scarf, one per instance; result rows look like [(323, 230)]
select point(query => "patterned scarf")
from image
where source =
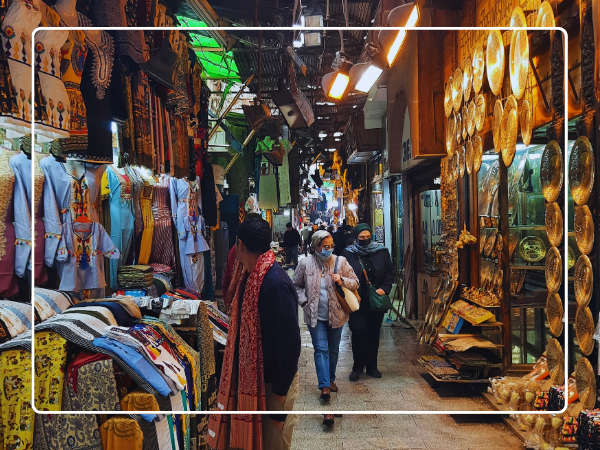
[(242, 388)]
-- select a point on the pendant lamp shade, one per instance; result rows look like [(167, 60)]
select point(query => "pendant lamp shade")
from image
[(363, 76), (391, 41), (335, 84)]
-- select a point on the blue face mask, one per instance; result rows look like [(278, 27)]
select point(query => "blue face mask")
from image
[(327, 253)]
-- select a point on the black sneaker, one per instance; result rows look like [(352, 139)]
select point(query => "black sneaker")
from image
[(328, 420), (354, 375), (374, 373)]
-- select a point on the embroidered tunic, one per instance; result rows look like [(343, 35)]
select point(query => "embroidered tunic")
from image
[(81, 254)]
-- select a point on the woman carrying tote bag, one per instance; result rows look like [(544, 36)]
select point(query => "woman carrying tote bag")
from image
[(373, 264), (325, 317)]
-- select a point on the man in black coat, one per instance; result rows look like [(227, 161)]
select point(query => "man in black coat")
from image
[(291, 243)]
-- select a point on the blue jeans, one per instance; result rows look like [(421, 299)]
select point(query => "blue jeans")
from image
[(326, 342), (291, 254)]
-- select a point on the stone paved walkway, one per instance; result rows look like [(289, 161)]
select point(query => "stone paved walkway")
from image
[(405, 386)]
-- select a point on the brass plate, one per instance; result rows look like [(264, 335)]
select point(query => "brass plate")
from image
[(465, 113), (420, 332), (450, 136), (471, 118), (448, 105), (494, 61), (458, 127), (439, 284), (526, 123), (581, 170), (554, 224), (555, 314), (545, 16), (584, 229), (551, 171), (467, 84), (490, 243), (585, 381), (584, 281), (478, 68), (438, 314), (461, 161), (555, 358), (497, 121), (509, 128), (477, 153), (517, 18), (449, 290), (553, 270), (469, 157), (571, 260), (532, 249), (584, 329), (519, 60), (479, 112), (499, 243), (457, 92)]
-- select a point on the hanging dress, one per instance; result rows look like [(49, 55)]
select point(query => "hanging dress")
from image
[(146, 205), (22, 17), (137, 185), (186, 207), (120, 199), (163, 251), (55, 123), (8, 279)]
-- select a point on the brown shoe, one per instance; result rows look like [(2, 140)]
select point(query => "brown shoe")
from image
[(325, 393), (328, 420), (333, 387)]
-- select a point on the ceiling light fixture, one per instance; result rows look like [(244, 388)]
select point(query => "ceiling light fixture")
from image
[(336, 83), (363, 76), (391, 41)]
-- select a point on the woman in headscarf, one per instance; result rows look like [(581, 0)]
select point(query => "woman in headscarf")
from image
[(364, 323), (314, 280)]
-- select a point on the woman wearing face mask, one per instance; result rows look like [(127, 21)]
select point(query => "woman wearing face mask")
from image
[(364, 323), (325, 317)]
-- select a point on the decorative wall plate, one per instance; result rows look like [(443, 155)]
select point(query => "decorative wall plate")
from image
[(584, 329), (517, 18), (467, 84), (478, 68), (469, 157), (471, 118), (509, 128), (479, 112), (496, 125), (545, 16), (477, 153), (458, 126), (457, 92), (438, 314), (555, 314), (584, 229), (439, 284), (551, 171), (554, 224), (465, 113), (532, 249), (526, 123), (553, 270), (461, 161), (494, 61), (584, 281), (581, 170), (448, 104), (555, 359), (450, 136)]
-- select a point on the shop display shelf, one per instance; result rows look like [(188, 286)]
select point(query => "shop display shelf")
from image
[(526, 267), (476, 303), (534, 297), (527, 228)]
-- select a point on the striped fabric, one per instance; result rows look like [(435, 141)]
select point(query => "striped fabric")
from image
[(163, 251)]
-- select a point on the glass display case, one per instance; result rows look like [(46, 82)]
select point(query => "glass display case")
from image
[(431, 229)]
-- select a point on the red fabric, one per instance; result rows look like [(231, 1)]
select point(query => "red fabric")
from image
[(83, 357), (242, 386), (231, 257)]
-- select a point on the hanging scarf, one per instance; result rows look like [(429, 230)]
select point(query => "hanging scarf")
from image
[(242, 388)]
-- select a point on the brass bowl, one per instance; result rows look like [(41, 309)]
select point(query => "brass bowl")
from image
[(477, 153), (467, 72), (554, 224), (508, 131), (457, 92), (545, 16), (478, 61), (532, 249), (471, 118), (584, 229), (496, 125), (555, 359), (526, 123), (553, 270), (581, 170), (448, 105), (551, 171), (584, 281), (494, 61), (451, 136), (555, 314), (585, 381), (584, 329), (479, 112), (469, 157)]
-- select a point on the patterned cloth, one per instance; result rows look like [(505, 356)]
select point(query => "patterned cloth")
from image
[(121, 434), (243, 387), (50, 362), (163, 251)]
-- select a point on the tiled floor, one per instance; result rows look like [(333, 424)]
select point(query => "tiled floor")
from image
[(405, 386)]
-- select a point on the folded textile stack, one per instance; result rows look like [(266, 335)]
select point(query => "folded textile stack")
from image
[(135, 277), (164, 270), (178, 310), (219, 322), (468, 360)]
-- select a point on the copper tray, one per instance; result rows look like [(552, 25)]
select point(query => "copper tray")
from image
[(584, 281), (554, 224), (553, 270), (584, 229), (581, 170), (551, 171)]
